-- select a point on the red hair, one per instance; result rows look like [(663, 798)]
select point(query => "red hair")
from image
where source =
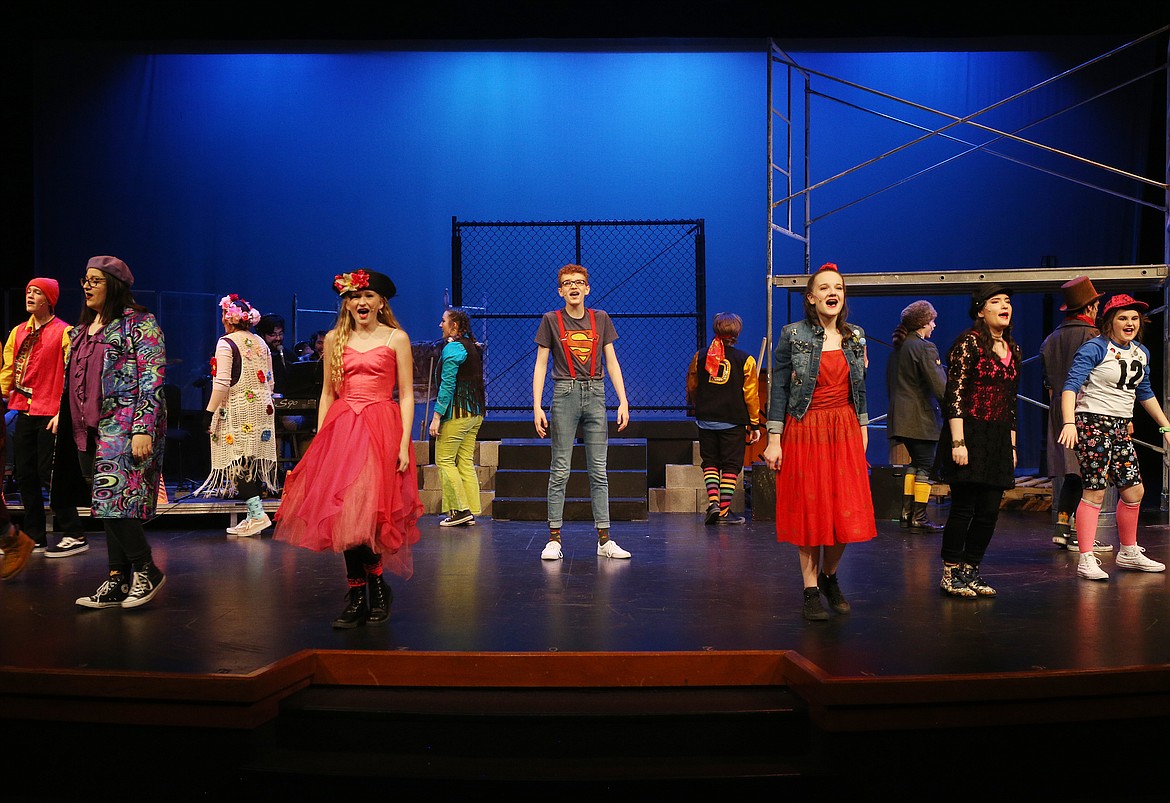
[(567, 269)]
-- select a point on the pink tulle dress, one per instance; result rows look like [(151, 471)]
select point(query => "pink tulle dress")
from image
[(347, 491)]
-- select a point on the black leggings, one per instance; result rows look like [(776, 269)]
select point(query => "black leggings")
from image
[(361, 561), (126, 544), (248, 482), (974, 512)]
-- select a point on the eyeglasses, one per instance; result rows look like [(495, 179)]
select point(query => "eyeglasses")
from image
[(575, 283), (88, 282)]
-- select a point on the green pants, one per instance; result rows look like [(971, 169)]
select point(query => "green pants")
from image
[(455, 457)]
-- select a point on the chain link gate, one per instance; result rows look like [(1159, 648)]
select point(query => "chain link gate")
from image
[(649, 275)]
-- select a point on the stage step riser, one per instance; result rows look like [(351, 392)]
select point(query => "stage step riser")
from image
[(522, 487), (533, 454), (514, 509), (534, 484)]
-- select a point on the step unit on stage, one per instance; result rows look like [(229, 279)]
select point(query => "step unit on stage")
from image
[(521, 492), (685, 490), (485, 458)]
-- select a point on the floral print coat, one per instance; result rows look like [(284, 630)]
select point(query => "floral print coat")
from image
[(132, 403)]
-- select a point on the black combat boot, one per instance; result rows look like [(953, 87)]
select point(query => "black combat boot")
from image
[(356, 612), (380, 597)]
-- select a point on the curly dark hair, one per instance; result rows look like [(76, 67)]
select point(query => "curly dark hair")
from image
[(268, 323)]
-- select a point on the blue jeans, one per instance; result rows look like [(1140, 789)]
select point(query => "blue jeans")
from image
[(577, 401)]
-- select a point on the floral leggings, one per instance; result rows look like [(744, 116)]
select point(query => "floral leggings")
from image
[(1106, 452)]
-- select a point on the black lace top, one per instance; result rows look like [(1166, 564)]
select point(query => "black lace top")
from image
[(979, 385)]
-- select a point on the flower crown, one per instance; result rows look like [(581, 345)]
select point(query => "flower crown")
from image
[(350, 282), (236, 310)]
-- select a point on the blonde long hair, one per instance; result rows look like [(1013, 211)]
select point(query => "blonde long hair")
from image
[(346, 324)]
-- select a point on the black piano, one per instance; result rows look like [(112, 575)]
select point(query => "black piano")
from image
[(301, 387), (297, 396), (283, 405)]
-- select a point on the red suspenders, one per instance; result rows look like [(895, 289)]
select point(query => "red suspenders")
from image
[(569, 353)]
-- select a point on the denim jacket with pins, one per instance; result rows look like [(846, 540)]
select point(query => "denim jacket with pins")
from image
[(796, 361)]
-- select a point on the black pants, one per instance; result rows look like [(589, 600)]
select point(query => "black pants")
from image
[(974, 512), (1070, 494), (126, 546), (722, 448), (32, 457), (921, 456), (246, 489)]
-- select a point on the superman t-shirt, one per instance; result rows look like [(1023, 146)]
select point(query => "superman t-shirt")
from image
[(585, 345)]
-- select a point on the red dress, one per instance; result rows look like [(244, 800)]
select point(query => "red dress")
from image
[(347, 491), (822, 488)]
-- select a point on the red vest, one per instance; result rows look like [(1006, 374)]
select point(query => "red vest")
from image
[(42, 371)]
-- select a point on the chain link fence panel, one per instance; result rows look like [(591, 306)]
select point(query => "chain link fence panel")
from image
[(650, 276)]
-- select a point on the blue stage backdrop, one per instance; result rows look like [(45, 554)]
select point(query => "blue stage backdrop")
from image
[(266, 174)]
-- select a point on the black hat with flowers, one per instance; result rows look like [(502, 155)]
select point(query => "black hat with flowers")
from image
[(363, 279)]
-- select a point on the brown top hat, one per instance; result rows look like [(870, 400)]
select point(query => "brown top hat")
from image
[(1078, 293)]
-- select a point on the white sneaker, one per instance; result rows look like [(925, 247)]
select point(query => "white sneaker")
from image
[(251, 526), (611, 550), (1133, 557), (551, 551), (1090, 567)]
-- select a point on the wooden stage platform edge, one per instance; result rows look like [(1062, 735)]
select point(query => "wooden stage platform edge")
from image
[(835, 704)]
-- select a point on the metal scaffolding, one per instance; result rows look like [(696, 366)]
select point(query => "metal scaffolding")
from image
[(790, 210)]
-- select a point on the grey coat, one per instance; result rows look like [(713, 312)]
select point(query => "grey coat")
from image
[(1056, 356), (915, 382)]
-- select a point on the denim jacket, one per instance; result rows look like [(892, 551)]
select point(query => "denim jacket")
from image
[(797, 360)]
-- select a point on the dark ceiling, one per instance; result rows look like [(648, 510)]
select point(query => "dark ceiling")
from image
[(462, 20), (37, 31)]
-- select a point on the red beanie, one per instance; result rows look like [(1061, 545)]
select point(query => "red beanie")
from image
[(48, 287)]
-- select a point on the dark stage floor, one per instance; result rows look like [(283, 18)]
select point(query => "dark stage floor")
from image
[(236, 605)]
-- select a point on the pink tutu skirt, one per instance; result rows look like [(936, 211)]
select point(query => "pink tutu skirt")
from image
[(347, 491)]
